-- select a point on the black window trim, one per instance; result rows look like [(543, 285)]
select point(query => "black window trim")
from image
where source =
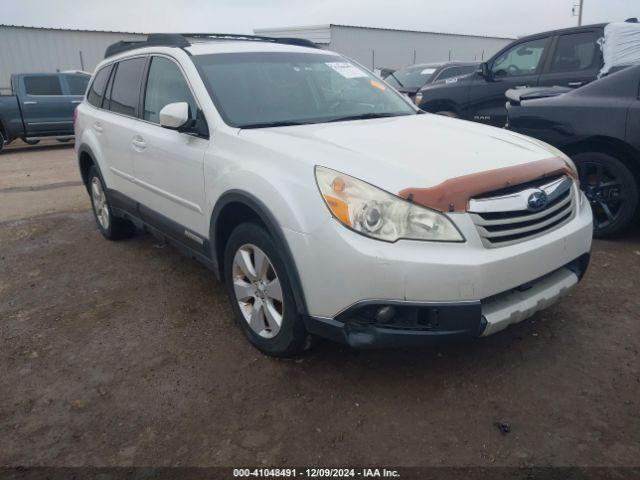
[(62, 94), (145, 78), (114, 70), (106, 85), (143, 86), (114, 66)]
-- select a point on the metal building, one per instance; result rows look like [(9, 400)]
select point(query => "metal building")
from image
[(33, 50), (383, 47)]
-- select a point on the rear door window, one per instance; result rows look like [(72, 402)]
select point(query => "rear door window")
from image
[(76, 83), (42, 85), (125, 89), (96, 92), (576, 52)]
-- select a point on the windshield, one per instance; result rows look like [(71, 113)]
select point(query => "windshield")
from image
[(262, 89), (411, 77)]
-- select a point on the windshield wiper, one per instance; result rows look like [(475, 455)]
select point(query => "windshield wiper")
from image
[(367, 116), (286, 123)]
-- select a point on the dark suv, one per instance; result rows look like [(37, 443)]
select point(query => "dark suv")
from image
[(569, 57)]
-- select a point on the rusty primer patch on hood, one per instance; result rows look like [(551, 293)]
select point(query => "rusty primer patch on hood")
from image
[(453, 194)]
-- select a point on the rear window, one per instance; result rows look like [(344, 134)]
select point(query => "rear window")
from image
[(76, 84), (42, 85), (125, 90), (96, 92)]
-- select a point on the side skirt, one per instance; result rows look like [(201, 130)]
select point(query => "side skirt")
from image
[(184, 240)]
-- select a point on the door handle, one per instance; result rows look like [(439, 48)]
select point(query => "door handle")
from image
[(575, 84), (31, 102), (76, 101), (97, 127), (138, 143)]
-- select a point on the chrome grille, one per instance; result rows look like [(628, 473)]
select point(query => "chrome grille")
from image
[(520, 214)]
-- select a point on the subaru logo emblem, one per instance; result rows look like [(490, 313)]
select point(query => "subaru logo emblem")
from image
[(537, 201)]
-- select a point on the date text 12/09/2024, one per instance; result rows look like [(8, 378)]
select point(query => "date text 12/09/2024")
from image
[(315, 473)]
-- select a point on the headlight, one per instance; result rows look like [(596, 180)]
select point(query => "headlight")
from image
[(418, 98), (375, 213)]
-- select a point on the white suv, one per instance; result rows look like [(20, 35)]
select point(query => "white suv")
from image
[(329, 205)]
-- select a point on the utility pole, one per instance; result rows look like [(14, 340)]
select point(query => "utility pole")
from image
[(579, 6)]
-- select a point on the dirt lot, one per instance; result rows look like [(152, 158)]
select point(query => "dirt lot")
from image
[(118, 354)]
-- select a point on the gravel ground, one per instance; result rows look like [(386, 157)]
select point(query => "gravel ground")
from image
[(125, 353)]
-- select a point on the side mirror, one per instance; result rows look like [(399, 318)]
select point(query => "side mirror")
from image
[(483, 69), (174, 115)]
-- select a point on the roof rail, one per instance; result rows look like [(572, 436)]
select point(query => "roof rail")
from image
[(300, 42), (180, 40)]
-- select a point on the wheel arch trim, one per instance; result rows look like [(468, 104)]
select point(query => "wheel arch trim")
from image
[(274, 229)]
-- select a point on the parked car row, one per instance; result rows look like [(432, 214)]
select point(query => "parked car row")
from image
[(598, 125), (42, 105), (551, 83), (410, 79)]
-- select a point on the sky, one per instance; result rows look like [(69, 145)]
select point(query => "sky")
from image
[(506, 18)]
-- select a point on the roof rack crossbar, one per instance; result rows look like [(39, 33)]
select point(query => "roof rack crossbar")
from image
[(180, 40)]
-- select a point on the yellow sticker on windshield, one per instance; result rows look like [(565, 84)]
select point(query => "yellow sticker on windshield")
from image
[(378, 85)]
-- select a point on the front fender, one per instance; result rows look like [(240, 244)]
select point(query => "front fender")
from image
[(274, 228)]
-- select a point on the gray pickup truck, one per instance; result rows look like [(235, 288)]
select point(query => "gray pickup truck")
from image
[(41, 106)]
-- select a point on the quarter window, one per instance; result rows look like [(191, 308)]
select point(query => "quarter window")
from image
[(165, 85), (42, 85), (96, 92), (125, 90), (522, 59), (576, 52)]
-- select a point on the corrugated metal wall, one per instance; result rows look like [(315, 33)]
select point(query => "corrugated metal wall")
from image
[(320, 34), (31, 50), (379, 48)]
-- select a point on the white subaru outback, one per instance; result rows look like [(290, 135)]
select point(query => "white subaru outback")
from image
[(329, 205)]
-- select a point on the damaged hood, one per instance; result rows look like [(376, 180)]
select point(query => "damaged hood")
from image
[(414, 151)]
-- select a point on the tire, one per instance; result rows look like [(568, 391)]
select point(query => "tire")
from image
[(448, 114), (611, 188), (64, 140), (1, 142), (248, 246), (110, 226), (31, 142)]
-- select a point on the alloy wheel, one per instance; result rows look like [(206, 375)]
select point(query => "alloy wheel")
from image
[(257, 290), (100, 206), (604, 190)]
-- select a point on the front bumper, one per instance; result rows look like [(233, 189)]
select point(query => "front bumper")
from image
[(415, 324), (339, 268)]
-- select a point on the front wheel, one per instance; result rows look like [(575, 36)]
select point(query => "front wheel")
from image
[(260, 291), (1, 142), (612, 190), (31, 142)]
